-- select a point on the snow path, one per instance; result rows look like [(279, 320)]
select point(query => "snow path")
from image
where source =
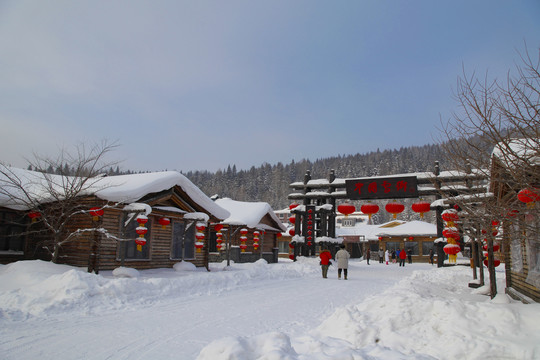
[(177, 325)]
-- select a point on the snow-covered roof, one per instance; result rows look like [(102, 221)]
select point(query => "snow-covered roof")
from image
[(249, 214), (372, 232), (518, 150), (411, 228), (119, 189)]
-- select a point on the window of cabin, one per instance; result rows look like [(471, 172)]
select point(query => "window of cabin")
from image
[(516, 249), (413, 245), (283, 247), (426, 247), (533, 255), (392, 245), (12, 228), (130, 248), (183, 241)]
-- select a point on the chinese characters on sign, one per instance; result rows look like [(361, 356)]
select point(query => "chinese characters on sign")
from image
[(382, 188)]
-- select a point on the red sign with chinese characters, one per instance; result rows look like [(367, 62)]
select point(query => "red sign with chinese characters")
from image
[(382, 188)]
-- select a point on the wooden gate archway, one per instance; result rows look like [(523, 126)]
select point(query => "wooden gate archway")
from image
[(318, 197)]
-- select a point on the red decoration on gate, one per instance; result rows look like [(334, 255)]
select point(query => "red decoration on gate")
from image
[(369, 209), (292, 206), (394, 208), (346, 209), (218, 227), (421, 207)]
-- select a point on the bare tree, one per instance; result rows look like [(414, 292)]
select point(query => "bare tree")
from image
[(57, 197), (496, 131)]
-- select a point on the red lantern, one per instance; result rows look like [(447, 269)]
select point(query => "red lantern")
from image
[(309, 243), (255, 246), (96, 213), (243, 231), (496, 247), (199, 246), (346, 209), (394, 208), (450, 216), (292, 206), (369, 209), (243, 247), (291, 232), (451, 233), (529, 196), (451, 249), (278, 235), (421, 207), (142, 219), (140, 242), (34, 215), (496, 262), (141, 230), (218, 227), (200, 227), (291, 257), (164, 222), (380, 238), (411, 238), (292, 219), (291, 245)]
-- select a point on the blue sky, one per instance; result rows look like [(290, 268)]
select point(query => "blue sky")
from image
[(199, 85)]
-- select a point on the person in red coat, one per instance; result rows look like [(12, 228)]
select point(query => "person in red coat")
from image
[(402, 257), (325, 256)]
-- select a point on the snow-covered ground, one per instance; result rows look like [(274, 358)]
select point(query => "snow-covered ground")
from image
[(260, 311)]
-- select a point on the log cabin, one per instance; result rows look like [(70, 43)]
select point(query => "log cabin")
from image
[(104, 224), (515, 166), (251, 232)]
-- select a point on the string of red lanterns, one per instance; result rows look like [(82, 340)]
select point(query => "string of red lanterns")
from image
[(451, 233), (256, 240), (243, 239), (141, 230), (199, 244)]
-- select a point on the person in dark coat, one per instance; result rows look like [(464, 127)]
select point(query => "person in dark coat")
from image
[(431, 256), (325, 256), (368, 255), (402, 257), (409, 255)]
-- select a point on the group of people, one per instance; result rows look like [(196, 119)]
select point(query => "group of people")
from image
[(397, 255), (342, 258)]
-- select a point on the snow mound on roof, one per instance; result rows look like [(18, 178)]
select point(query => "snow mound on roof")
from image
[(247, 213)]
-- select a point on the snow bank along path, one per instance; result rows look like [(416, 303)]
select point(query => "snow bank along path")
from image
[(52, 311)]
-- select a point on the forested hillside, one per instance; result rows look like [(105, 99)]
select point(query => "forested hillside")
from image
[(270, 183)]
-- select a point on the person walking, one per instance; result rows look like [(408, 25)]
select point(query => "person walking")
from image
[(368, 255), (409, 255), (386, 256), (381, 256), (402, 257), (325, 256), (342, 257), (431, 256), (394, 254)]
